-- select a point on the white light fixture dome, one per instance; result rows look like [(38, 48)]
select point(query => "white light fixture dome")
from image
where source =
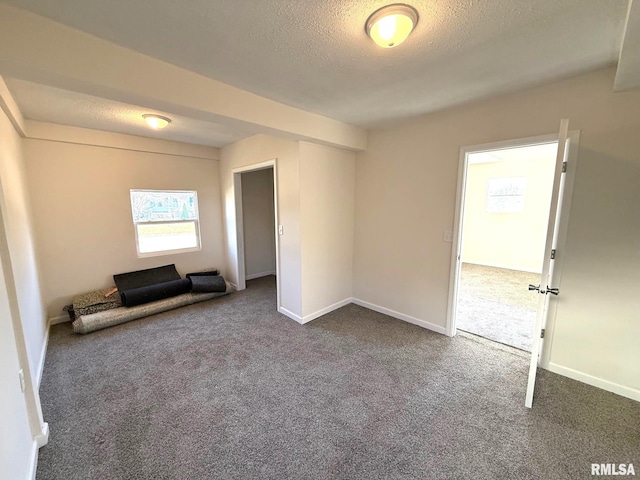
[(391, 25), (156, 121)]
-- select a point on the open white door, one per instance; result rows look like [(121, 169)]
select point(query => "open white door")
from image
[(545, 287)]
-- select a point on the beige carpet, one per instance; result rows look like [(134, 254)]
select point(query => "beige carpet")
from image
[(495, 303), (229, 389)]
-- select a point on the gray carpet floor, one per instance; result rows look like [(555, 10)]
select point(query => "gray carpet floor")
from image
[(496, 303), (230, 389)]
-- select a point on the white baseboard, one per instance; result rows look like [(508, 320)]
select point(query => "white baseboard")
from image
[(616, 388), (258, 275), (43, 437), (324, 311), (45, 344), (291, 315), (43, 355), (370, 306), (400, 316), (33, 467), (60, 319)]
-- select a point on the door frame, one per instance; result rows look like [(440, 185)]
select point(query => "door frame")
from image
[(562, 225), (237, 188)]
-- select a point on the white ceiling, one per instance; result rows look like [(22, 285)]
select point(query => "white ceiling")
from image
[(50, 104), (315, 55)]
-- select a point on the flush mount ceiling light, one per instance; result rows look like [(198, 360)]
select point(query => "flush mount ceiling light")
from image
[(391, 25), (156, 121)]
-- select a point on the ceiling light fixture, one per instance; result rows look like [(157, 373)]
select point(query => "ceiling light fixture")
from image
[(156, 121), (391, 25)]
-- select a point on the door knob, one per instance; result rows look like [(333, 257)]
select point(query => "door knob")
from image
[(552, 291)]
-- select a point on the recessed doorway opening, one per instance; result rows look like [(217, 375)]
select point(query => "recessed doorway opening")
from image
[(503, 232), (505, 241), (256, 212)]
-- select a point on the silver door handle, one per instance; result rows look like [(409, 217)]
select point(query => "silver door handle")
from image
[(552, 291)]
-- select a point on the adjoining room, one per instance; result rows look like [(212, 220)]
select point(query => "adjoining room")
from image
[(506, 208)]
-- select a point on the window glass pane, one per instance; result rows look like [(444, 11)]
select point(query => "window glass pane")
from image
[(158, 237), (506, 195), (507, 186), (506, 204), (157, 206)]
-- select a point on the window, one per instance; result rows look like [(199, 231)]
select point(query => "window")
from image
[(506, 195), (165, 221)]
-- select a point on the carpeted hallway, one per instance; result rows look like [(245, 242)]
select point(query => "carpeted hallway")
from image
[(230, 389)]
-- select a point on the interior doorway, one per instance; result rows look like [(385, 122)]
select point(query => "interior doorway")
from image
[(256, 204), (258, 220), (503, 227), (499, 191)]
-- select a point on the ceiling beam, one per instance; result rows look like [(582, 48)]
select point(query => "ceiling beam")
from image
[(10, 108), (120, 141), (36, 49), (628, 72)]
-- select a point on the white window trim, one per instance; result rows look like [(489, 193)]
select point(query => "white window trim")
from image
[(176, 251)]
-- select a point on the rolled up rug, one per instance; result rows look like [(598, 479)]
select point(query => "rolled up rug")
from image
[(151, 293), (207, 283), (203, 273), (116, 316), (144, 278)]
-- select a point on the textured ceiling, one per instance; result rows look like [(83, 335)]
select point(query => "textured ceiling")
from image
[(48, 104), (316, 56)]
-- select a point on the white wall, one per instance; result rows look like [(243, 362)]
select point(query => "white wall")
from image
[(22, 322), (82, 212), (259, 223), (251, 151), (405, 200), (18, 225), (16, 443), (327, 202), (512, 240)]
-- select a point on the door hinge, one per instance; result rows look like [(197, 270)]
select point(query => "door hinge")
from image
[(564, 167), (542, 333), (553, 254)]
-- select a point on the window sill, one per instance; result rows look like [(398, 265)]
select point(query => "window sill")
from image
[(169, 252)]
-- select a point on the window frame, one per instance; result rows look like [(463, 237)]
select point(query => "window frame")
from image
[(172, 251)]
